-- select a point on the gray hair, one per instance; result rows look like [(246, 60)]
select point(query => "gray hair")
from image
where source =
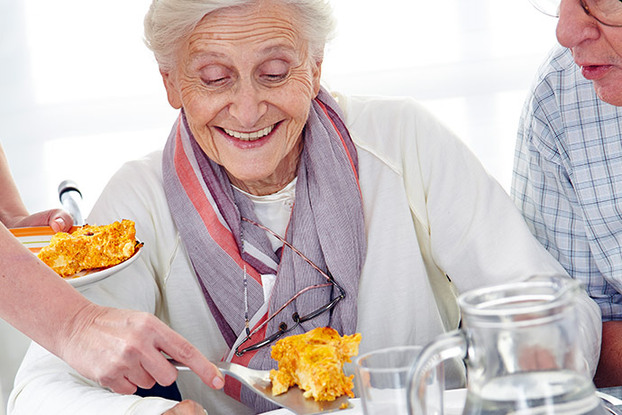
[(169, 22)]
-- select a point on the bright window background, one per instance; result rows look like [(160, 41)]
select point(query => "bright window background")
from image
[(83, 93)]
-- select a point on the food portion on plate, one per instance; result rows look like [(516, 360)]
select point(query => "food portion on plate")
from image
[(90, 247), (314, 361)]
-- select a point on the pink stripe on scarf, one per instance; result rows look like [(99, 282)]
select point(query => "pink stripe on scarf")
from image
[(343, 142), (197, 196)]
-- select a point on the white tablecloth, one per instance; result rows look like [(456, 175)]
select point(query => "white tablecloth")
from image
[(454, 402)]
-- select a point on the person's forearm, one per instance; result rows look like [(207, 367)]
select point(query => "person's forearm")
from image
[(609, 372), (119, 349), (33, 298)]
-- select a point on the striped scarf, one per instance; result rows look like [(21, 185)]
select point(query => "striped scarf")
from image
[(326, 224)]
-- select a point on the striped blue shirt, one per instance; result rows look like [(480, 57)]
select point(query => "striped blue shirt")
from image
[(567, 177)]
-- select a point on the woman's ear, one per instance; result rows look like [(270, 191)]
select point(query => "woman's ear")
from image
[(172, 90), (317, 77)]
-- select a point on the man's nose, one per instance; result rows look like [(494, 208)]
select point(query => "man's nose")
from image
[(247, 105), (575, 25)]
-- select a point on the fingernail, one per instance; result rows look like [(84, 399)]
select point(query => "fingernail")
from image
[(60, 222), (218, 382)]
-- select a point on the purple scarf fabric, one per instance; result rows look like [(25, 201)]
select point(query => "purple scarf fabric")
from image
[(326, 224)]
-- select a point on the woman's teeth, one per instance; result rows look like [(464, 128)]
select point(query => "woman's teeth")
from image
[(250, 136)]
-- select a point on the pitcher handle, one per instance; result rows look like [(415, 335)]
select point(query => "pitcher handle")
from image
[(446, 346)]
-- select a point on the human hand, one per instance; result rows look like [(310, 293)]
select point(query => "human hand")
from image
[(186, 407), (57, 219), (122, 350), (537, 358)]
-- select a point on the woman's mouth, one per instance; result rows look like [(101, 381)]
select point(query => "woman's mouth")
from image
[(249, 136)]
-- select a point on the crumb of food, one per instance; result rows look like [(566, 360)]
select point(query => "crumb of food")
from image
[(90, 247), (314, 361)]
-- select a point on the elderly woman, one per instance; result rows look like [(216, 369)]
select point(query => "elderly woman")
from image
[(273, 199)]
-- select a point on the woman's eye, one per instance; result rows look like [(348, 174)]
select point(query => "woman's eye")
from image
[(215, 81), (274, 76), (214, 76), (274, 71)]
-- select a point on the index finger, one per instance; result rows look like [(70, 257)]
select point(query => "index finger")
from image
[(180, 349)]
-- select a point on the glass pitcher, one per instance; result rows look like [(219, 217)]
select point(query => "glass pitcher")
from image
[(519, 344)]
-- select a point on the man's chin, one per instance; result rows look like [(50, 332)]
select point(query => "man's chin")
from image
[(609, 94)]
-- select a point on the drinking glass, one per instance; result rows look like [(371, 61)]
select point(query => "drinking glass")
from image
[(382, 377)]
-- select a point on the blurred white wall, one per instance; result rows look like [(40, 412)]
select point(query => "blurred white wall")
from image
[(80, 93)]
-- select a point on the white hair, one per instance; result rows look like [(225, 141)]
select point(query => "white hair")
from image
[(169, 22)]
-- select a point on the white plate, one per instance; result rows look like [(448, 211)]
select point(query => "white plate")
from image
[(453, 405), (88, 277), (35, 238)]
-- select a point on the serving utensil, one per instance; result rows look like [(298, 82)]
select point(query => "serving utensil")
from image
[(611, 403), (611, 408), (259, 382)]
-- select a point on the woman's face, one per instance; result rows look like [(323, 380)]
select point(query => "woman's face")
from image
[(246, 81)]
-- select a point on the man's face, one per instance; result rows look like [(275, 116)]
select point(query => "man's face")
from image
[(596, 48)]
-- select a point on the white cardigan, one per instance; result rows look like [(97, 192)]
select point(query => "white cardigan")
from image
[(417, 180)]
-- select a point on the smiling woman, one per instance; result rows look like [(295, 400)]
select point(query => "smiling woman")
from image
[(234, 85)]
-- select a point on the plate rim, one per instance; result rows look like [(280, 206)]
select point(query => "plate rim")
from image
[(75, 281)]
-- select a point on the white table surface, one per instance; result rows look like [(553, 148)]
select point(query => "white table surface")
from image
[(454, 402)]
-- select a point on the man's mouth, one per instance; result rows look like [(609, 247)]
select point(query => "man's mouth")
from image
[(252, 136), (594, 72)]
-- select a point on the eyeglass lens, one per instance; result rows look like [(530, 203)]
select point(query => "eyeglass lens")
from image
[(548, 7), (283, 327), (607, 12)]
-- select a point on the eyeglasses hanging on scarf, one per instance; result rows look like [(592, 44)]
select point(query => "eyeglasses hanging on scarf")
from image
[(296, 318)]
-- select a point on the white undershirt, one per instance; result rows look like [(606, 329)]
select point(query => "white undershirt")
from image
[(273, 211)]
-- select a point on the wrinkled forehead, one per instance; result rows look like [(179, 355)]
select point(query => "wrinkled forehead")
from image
[(256, 22)]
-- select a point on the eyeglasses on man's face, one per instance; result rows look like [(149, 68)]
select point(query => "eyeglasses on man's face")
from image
[(607, 12), (296, 318)]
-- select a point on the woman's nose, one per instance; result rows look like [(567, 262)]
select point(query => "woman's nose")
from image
[(575, 25), (247, 105)]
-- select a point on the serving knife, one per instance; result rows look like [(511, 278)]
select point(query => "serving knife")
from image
[(259, 382)]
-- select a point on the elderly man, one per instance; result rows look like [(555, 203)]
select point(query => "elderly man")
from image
[(568, 168)]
